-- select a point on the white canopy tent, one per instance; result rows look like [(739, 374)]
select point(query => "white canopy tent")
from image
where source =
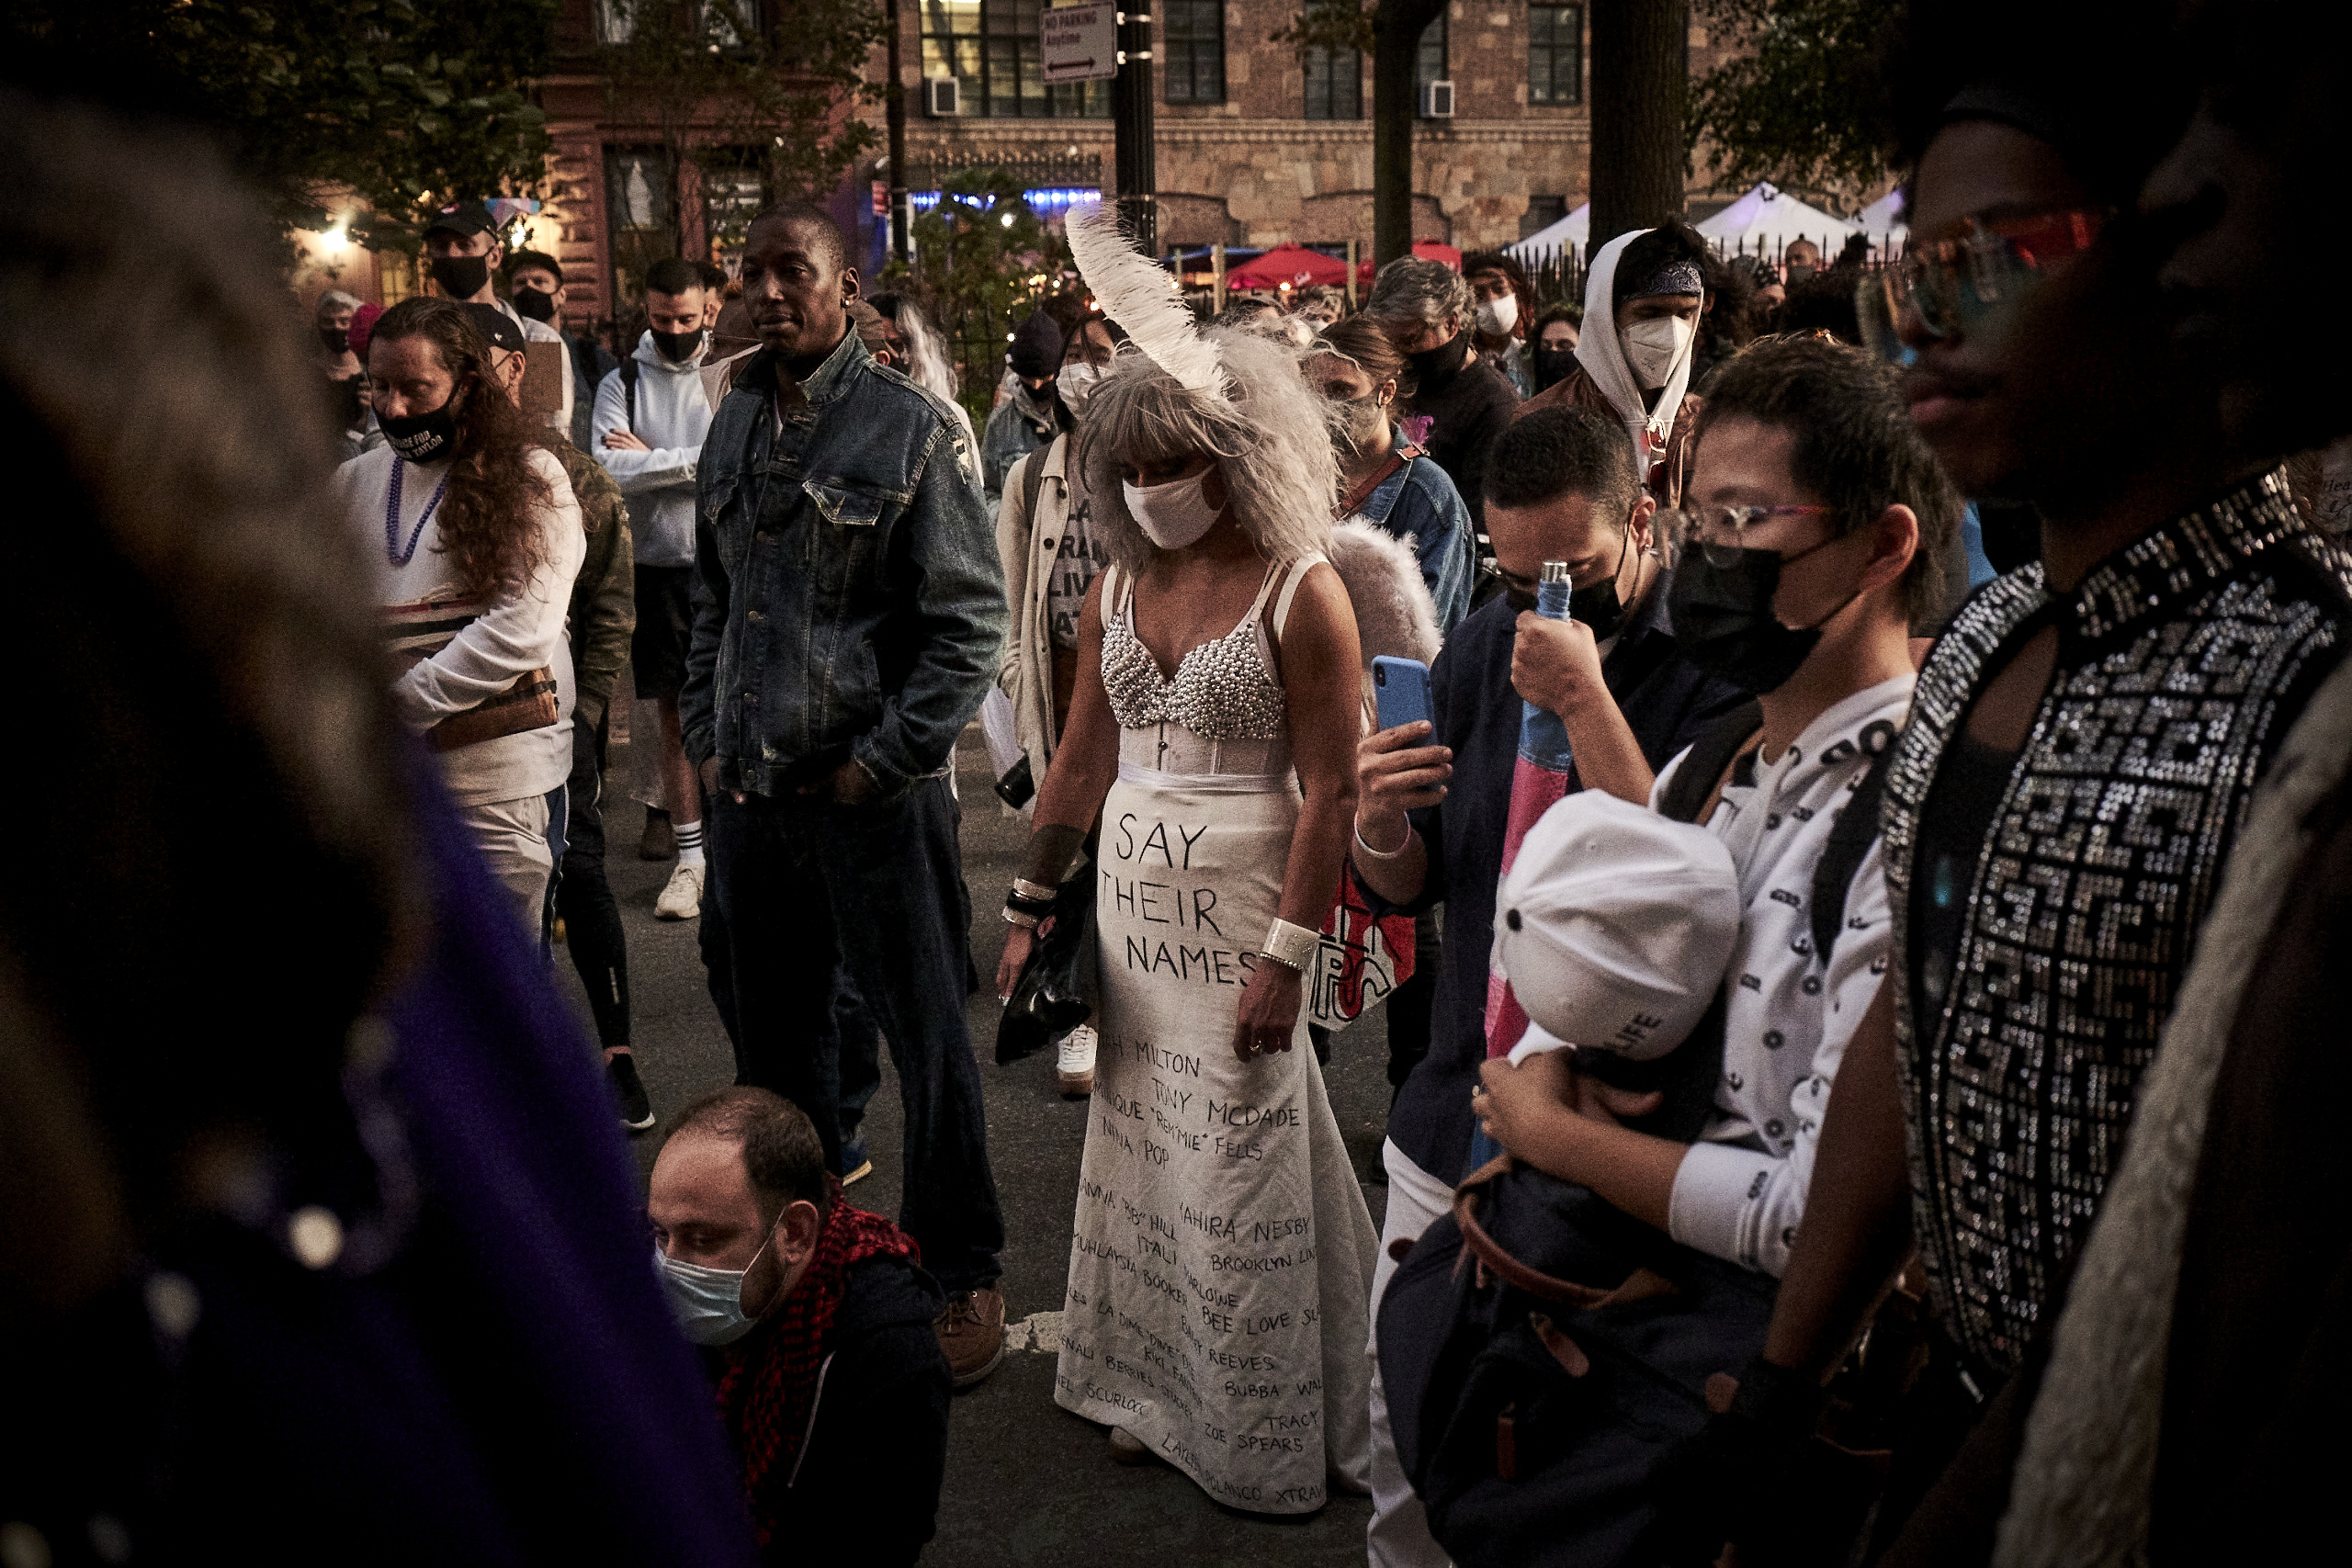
[(1568, 234), (1767, 222), (1882, 220)]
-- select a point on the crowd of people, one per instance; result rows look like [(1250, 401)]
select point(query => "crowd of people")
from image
[(1855, 968)]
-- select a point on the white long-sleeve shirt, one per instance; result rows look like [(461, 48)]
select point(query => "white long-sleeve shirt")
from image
[(1741, 1188), (673, 417), (521, 631)]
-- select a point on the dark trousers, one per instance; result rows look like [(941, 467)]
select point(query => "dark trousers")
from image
[(591, 921), (861, 1041), (802, 887), (1409, 1007)]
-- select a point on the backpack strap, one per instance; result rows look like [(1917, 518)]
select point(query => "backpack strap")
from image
[(1693, 783), (629, 389), (1851, 838)]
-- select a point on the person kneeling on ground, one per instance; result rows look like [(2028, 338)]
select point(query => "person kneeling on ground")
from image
[(816, 1319)]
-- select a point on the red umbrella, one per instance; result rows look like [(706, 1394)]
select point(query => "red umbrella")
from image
[(1427, 250), (1293, 264)]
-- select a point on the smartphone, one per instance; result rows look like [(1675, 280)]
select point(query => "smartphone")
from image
[(1400, 690)]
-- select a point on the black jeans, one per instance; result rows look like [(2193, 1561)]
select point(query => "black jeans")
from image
[(591, 921), (801, 887)]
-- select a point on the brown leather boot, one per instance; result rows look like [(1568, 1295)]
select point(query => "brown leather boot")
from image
[(971, 1333)]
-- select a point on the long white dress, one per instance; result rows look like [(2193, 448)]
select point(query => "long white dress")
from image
[(1221, 1261)]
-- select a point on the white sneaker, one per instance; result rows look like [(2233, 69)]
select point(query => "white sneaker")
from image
[(682, 899), (1074, 1065)]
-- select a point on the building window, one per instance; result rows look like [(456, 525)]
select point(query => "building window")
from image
[(1428, 65), (1192, 44), (1542, 211), (992, 48), (1554, 54), (1334, 83)]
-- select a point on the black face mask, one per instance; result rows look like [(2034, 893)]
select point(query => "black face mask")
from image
[(337, 339), (461, 277), (534, 304), (1596, 604), (423, 437), (678, 347), (1553, 365), (1436, 366), (1724, 621)]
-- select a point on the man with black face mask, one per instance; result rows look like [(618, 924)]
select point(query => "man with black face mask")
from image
[(462, 253), (1433, 800), (1428, 311), (535, 287), (651, 416)]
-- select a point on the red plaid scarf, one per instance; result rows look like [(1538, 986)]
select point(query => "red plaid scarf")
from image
[(769, 1393)]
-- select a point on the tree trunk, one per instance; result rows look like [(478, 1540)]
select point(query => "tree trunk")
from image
[(1396, 33), (1640, 73)]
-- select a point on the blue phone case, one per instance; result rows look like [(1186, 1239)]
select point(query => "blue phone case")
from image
[(1400, 689)]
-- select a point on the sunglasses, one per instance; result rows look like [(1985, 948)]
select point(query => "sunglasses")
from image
[(1951, 284)]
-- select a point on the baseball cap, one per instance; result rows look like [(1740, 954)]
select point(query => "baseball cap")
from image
[(1614, 926), (494, 325), (468, 218)]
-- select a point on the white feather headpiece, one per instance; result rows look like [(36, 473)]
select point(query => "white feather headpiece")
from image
[(1137, 295)]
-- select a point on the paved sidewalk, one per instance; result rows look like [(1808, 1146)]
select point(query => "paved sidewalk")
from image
[(1028, 1484)]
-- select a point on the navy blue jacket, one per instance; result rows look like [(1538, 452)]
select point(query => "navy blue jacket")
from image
[(1666, 700)]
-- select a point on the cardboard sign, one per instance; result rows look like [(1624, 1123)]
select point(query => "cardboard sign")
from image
[(543, 380)]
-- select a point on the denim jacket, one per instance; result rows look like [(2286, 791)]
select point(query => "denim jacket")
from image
[(1419, 505), (847, 598)]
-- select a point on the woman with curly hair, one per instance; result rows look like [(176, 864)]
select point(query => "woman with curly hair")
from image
[(1222, 1254), (477, 538)]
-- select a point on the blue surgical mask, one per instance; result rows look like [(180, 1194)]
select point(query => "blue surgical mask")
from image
[(708, 1301)]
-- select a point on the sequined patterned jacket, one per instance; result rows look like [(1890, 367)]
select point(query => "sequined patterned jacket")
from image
[(2182, 661)]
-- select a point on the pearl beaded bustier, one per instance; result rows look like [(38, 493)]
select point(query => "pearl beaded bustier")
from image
[(1224, 691)]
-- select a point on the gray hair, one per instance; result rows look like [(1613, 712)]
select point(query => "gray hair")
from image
[(339, 299), (1410, 289), (1267, 434)]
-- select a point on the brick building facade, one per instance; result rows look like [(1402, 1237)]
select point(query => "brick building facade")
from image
[(1253, 146)]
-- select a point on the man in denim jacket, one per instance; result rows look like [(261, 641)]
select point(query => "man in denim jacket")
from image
[(848, 617)]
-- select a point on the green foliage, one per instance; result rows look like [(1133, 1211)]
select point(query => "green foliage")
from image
[(412, 105), (716, 86), (1329, 24), (982, 260), (1794, 105)]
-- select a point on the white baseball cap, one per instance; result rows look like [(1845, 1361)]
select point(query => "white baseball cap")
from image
[(1614, 926)]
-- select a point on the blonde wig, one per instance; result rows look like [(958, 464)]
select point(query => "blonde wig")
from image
[(1265, 429)]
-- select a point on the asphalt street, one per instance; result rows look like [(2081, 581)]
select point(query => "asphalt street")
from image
[(1027, 1483)]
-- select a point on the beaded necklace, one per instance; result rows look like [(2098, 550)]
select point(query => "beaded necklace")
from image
[(392, 550)]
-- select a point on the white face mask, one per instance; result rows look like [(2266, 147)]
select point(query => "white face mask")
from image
[(708, 1301), (1652, 348), (1174, 514), (1497, 317), (1077, 383)]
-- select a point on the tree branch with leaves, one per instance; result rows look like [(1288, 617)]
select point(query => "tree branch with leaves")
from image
[(1796, 104)]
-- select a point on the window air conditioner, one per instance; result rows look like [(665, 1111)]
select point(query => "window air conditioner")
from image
[(939, 98), (1437, 100)]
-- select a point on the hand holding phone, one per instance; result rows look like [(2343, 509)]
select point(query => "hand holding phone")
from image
[(1400, 689)]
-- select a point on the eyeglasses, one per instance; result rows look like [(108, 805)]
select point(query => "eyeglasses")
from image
[(1951, 284), (1720, 532)]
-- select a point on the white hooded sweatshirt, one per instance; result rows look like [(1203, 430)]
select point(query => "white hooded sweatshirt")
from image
[(1603, 359), (673, 417)]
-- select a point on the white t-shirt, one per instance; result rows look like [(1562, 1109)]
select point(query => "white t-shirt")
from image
[(522, 630), (1741, 1188)]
